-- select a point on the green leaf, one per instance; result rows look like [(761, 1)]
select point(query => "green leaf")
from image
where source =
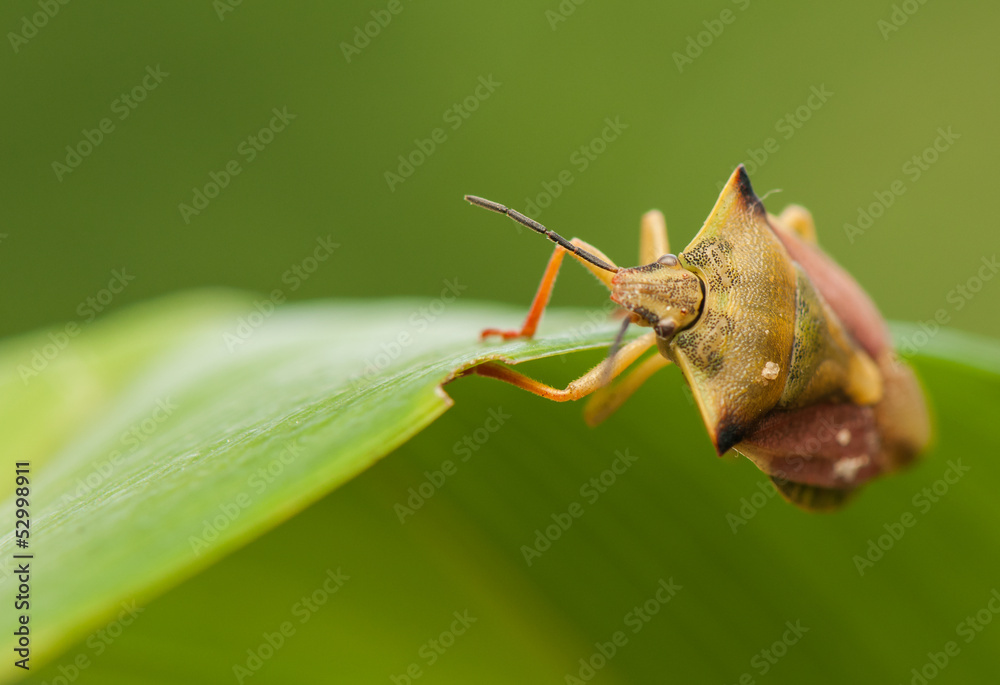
[(262, 413), (166, 437)]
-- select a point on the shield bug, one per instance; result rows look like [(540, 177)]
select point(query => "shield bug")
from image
[(788, 359)]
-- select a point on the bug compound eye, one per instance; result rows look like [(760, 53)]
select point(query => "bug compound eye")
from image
[(665, 329), (668, 260)]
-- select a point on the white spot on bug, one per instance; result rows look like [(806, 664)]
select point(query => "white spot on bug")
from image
[(770, 371), (843, 437), (847, 468)]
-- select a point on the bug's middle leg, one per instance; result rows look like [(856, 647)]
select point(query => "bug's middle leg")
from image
[(582, 386), (544, 292), (652, 237), (608, 399)]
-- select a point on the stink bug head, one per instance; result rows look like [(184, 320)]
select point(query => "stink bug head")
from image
[(663, 295)]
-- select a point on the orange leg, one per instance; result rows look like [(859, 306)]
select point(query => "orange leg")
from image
[(538, 304), (544, 291), (582, 386)]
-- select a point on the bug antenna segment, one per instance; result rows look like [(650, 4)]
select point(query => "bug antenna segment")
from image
[(538, 228)]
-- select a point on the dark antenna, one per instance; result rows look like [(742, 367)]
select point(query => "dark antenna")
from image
[(535, 226), (613, 350)]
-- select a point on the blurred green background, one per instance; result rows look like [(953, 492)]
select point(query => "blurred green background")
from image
[(324, 174), (222, 73)]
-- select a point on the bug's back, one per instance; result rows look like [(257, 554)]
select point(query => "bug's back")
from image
[(790, 362)]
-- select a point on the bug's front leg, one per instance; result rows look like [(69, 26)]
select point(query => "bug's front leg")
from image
[(544, 291), (582, 386)]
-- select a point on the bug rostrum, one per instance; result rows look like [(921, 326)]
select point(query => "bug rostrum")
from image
[(788, 359)]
